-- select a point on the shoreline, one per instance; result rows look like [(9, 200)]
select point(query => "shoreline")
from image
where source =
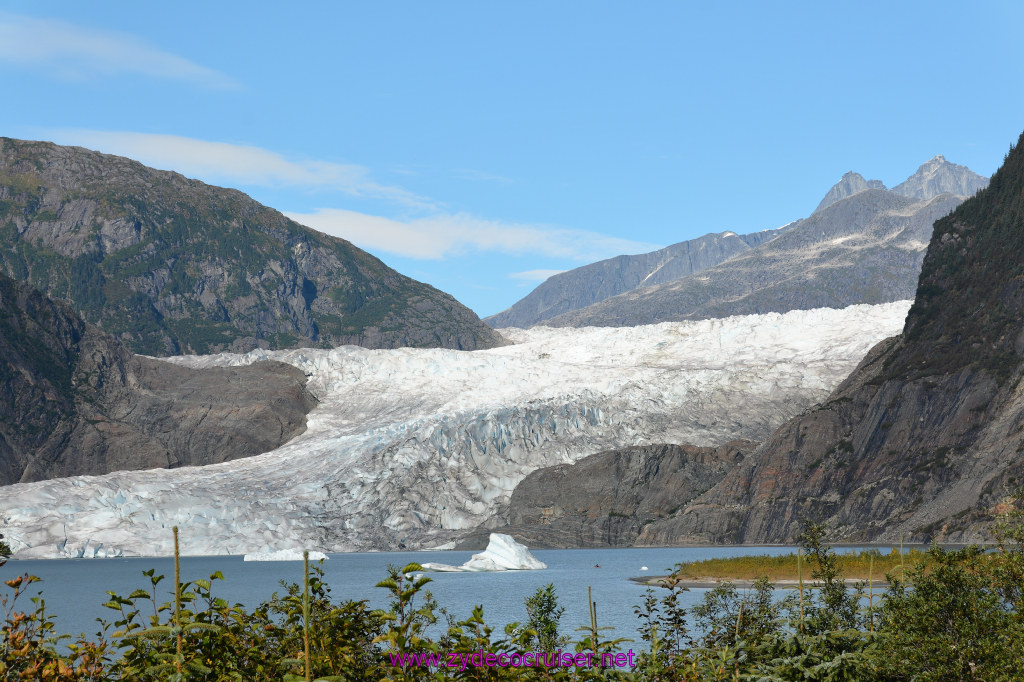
[(711, 583)]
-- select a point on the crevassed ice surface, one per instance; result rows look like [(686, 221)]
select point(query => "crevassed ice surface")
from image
[(409, 446), (285, 555)]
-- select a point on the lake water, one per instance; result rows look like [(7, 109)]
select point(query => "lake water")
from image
[(75, 589)]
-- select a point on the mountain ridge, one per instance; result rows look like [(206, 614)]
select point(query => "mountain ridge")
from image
[(588, 284), (733, 286), (866, 248), (172, 265)]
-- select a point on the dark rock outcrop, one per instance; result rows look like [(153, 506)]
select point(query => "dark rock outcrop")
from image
[(608, 499), (926, 438), (170, 265), (75, 401)]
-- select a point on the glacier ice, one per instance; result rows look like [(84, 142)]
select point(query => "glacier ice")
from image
[(503, 553), (408, 447), (283, 555)]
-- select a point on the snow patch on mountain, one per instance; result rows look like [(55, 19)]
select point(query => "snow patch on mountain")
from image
[(408, 447)]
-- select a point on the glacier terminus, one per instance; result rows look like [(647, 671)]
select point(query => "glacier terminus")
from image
[(408, 448)]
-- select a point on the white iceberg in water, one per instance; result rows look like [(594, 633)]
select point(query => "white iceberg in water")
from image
[(502, 554), (283, 555)]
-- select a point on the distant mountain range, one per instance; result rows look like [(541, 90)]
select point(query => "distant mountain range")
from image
[(170, 265), (863, 244), (936, 176), (584, 286)]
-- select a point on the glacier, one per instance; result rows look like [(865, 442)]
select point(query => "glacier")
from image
[(503, 553), (285, 555), (409, 447)]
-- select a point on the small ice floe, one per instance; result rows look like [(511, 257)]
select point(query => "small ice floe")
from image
[(502, 554), (283, 555), (643, 568)]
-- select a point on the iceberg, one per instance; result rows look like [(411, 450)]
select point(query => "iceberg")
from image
[(503, 553), (283, 555)]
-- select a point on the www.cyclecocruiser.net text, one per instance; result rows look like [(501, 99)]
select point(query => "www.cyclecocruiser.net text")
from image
[(529, 659)]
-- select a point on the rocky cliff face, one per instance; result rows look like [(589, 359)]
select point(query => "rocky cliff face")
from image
[(608, 499), (866, 248), (925, 438), (75, 401), (171, 265), (596, 282)]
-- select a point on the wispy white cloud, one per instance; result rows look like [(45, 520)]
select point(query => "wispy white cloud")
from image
[(435, 236), (76, 53), (445, 235), (234, 164), (535, 275), (480, 176)]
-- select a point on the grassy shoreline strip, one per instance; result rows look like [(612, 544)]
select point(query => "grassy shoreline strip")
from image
[(783, 569)]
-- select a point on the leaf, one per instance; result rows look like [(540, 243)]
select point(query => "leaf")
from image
[(197, 667), (151, 632)]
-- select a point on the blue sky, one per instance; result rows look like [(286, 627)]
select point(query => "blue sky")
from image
[(479, 146)]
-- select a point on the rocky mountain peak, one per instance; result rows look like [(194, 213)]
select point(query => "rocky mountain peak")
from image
[(938, 176), (851, 183)]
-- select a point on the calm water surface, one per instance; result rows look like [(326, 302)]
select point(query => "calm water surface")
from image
[(75, 589)]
